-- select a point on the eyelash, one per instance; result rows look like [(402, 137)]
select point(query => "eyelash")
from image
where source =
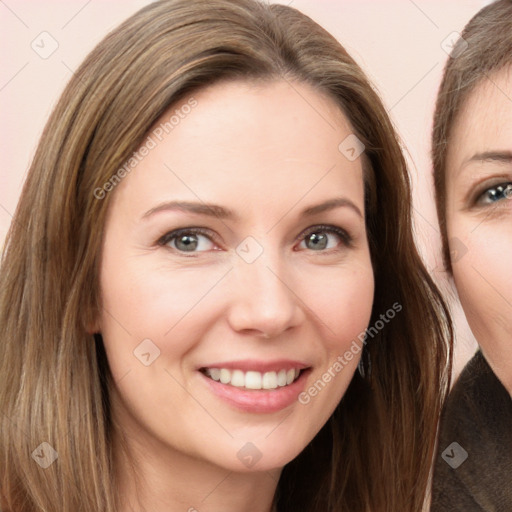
[(344, 236), (480, 195)]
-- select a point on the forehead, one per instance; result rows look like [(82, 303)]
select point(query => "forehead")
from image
[(484, 123), (273, 115), (269, 142)]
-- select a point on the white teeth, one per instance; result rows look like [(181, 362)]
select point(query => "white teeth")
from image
[(215, 373), (252, 379), (225, 376), (238, 379), (269, 380), (281, 378)]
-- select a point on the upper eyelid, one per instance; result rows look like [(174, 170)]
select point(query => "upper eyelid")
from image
[(175, 233)]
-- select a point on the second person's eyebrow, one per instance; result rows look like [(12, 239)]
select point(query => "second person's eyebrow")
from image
[(491, 156)]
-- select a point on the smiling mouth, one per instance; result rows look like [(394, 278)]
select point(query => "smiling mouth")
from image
[(253, 379)]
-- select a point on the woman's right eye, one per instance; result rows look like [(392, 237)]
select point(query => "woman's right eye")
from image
[(190, 240), (495, 193)]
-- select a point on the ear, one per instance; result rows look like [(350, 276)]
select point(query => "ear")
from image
[(92, 322), (92, 329)]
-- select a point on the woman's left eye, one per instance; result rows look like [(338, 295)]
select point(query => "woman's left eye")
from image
[(320, 238), (495, 193)]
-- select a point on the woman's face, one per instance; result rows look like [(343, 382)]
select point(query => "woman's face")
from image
[(235, 273), (479, 217)]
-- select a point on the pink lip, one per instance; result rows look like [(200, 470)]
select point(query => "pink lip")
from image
[(247, 365), (258, 401)]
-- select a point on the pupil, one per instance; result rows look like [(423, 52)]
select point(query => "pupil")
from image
[(494, 193), (187, 243), (318, 241), (497, 192)]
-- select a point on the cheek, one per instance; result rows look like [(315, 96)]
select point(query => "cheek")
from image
[(344, 305), (343, 302), (145, 298), (483, 275), (150, 294)]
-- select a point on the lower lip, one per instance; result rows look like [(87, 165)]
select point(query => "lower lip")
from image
[(259, 400)]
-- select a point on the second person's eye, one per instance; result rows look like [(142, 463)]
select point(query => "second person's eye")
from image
[(495, 193)]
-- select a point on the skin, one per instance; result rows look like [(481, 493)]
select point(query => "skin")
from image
[(480, 229), (231, 150)]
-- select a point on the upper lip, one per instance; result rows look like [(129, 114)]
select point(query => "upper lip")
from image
[(247, 365)]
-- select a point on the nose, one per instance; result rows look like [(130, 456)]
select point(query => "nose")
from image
[(264, 300)]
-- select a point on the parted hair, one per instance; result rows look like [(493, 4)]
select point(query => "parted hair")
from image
[(375, 452)]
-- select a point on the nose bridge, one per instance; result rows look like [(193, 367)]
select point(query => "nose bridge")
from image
[(263, 296), (265, 276)]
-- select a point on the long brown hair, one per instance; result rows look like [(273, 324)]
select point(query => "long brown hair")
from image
[(376, 450), (485, 47)]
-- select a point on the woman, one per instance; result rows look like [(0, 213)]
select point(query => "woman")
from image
[(216, 212), (472, 153)]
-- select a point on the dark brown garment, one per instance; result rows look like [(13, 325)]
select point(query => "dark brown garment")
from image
[(473, 466)]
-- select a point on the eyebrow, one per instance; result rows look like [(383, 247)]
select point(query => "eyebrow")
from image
[(491, 156), (221, 212)]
